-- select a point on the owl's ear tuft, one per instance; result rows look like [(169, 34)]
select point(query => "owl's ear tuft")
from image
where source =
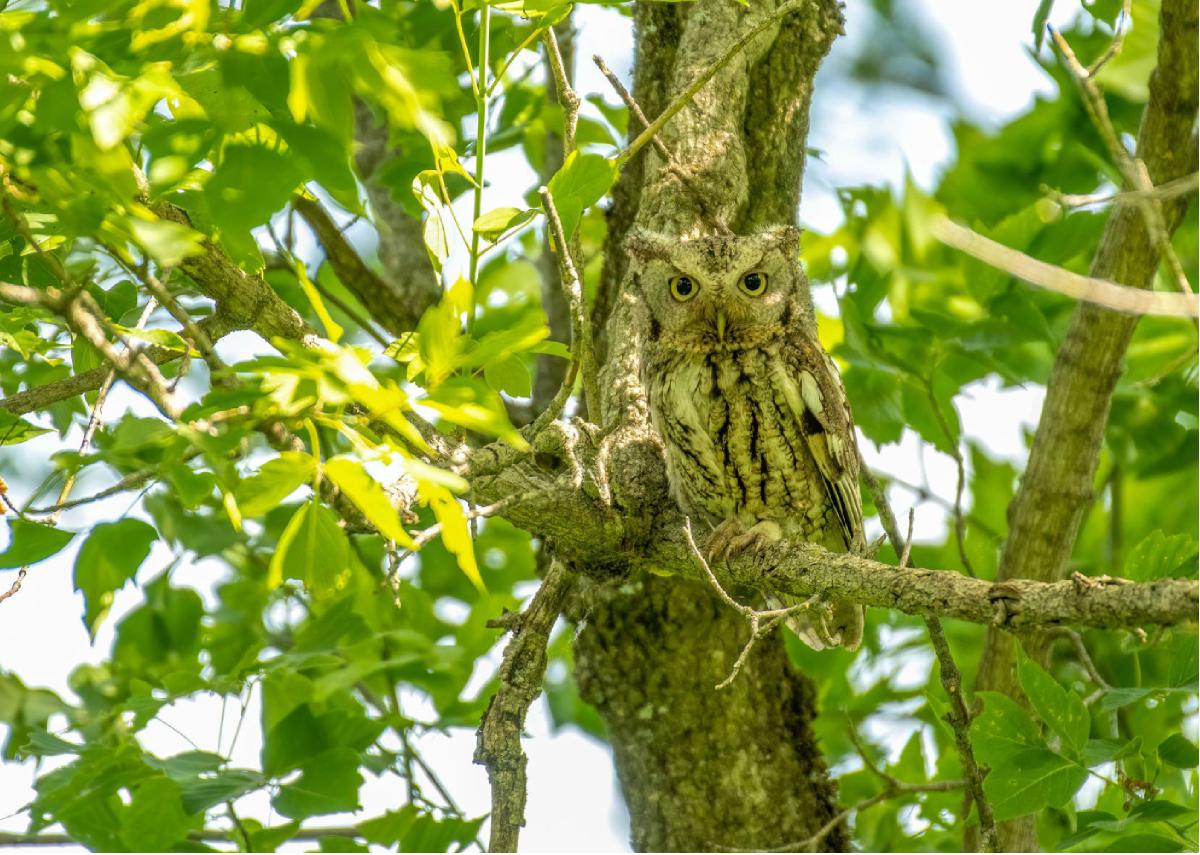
[(642, 245), (784, 238)]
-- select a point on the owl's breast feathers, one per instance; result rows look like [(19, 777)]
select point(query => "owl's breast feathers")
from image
[(756, 434)]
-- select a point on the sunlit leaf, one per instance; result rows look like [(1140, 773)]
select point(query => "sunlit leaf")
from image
[(368, 496), (14, 429)]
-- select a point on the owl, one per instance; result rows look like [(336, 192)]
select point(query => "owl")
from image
[(758, 432)]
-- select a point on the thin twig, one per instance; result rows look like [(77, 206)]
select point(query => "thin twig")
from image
[(671, 164), (959, 718), (567, 96), (890, 791), (1124, 20), (685, 97), (1132, 170), (1168, 190), (960, 524), (216, 326), (520, 682), (1085, 658), (761, 622), (581, 330), (904, 556), (207, 836), (1122, 298), (84, 317)]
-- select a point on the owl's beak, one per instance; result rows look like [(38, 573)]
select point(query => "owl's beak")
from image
[(720, 325)]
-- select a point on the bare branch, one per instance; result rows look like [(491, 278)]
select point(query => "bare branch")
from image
[(567, 97), (141, 373), (215, 327), (1171, 189), (1121, 298), (1133, 171), (672, 163), (581, 330), (689, 92), (395, 315), (959, 718), (761, 622), (499, 738)]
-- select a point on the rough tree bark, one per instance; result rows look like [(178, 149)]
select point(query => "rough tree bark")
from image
[(703, 769), (1056, 489)]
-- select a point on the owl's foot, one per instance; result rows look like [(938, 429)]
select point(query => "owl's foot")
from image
[(730, 538), (824, 624)]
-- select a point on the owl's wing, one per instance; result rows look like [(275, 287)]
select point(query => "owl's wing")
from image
[(818, 400)]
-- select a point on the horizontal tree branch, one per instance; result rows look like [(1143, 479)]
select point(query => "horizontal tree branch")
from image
[(1101, 603), (9, 838), (561, 502), (215, 327), (246, 297), (1135, 301)]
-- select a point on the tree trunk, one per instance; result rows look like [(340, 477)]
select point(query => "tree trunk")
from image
[(703, 769)]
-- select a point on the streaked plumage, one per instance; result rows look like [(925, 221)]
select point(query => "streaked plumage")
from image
[(750, 407)]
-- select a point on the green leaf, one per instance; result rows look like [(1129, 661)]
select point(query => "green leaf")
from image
[(1002, 729), (581, 183), (293, 740), (1031, 779), (493, 224), (455, 534), (470, 403), (368, 496), (313, 548), (45, 744), (30, 542), (1179, 752), (202, 793), (1099, 751), (1060, 708), (168, 339), (250, 184), (1159, 810), (1143, 843), (1158, 556), (188, 764), (328, 784), (275, 481), (1039, 22), (412, 831), (333, 330), (167, 243), (107, 560), (509, 375), (14, 429), (155, 820)]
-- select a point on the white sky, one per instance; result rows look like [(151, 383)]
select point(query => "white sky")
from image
[(573, 800)]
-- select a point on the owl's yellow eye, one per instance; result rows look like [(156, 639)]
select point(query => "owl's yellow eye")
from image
[(754, 284), (683, 288)]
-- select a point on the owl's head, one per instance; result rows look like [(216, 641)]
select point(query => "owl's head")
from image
[(719, 293)]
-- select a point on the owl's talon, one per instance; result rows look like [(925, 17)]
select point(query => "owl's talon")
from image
[(719, 542), (730, 539)]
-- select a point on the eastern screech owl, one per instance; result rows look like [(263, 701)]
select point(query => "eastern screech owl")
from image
[(758, 431)]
